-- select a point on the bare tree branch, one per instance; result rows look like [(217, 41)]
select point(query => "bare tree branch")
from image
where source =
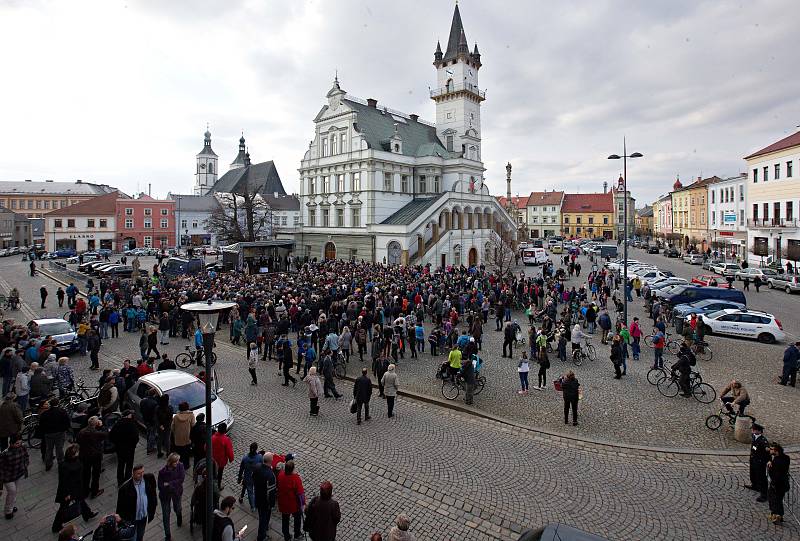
[(499, 256)]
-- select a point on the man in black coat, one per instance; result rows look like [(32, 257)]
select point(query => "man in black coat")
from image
[(265, 487), (129, 508), (91, 440), (54, 424), (468, 373), (362, 391), (124, 435), (286, 367), (759, 457), (147, 407)]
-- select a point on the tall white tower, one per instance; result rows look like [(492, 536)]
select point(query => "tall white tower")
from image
[(457, 95), (206, 174)]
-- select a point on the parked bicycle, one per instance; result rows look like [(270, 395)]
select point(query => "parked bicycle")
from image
[(190, 357), (714, 422), (585, 352), (30, 431), (451, 388)]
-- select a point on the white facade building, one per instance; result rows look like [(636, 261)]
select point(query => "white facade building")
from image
[(544, 214), (381, 185), (192, 213), (727, 222), (88, 225)]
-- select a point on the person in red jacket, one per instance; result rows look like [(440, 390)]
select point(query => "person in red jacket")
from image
[(291, 499), (221, 450)]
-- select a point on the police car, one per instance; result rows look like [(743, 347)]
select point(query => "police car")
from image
[(744, 323)]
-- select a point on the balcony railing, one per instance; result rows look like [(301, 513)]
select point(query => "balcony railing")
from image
[(460, 87), (773, 222)]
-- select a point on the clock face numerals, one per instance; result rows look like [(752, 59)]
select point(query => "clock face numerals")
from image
[(202, 166)]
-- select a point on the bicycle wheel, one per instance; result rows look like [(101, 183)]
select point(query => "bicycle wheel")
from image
[(704, 393), (648, 341), (340, 370), (713, 422), (668, 387), (654, 375), (591, 352), (30, 432), (673, 346), (479, 384), (705, 355), (450, 390), (184, 360), (577, 358)]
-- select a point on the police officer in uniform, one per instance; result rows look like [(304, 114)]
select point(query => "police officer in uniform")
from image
[(759, 456)]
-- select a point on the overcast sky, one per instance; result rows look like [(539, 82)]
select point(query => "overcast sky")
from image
[(120, 92)]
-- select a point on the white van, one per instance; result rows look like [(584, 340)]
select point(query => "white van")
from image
[(534, 256)]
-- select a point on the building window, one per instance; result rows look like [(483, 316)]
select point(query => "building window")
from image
[(13, 203), (578, 220), (387, 182), (422, 184), (164, 212), (777, 171), (765, 208), (605, 220), (55, 204), (148, 212), (164, 223), (63, 203), (436, 184), (404, 183), (184, 224), (57, 224), (296, 220), (30, 203), (355, 217), (342, 141), (566, 219), (312, 218), (148, 223), (355, 179), (776, 212), (340, 183), (324, 146), (591, 219), (339, 217), (741, 217), (741, 192), (449, 140), (70, 222), (128, 223), (333, 145), (326, 184), (195, 224), (326, 218), (128, 212), (90, 222), (766, 173), (148, 242), (283, 220), (103, 223), (312, 185), (577, 230), (47, 204), (712, 195), (788, 170), (755, 175), (714, 217), (535, 220), (789, 211)]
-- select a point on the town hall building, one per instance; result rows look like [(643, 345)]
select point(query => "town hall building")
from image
[(382, 185)]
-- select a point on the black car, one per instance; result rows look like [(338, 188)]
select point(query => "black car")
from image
[(672, 252), (652, 249)]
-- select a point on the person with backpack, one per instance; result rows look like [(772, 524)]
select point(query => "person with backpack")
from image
[(658, 348), (322, 514), (265, 490)]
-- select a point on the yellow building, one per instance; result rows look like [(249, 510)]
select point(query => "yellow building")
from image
[(773, 197), (644, 222), (35, 199), (588, 215), (690, 213)]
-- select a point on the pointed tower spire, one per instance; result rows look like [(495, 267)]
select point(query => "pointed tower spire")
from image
[(456, 33), (437, 55)]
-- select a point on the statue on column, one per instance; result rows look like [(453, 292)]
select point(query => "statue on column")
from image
[(135, 264)]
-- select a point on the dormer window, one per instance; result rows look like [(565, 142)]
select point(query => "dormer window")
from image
[(397, 147)]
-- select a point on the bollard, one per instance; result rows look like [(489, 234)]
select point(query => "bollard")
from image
[(742, 432)]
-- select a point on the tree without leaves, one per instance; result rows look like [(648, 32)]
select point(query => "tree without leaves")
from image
[(241, 217), (499, 256)]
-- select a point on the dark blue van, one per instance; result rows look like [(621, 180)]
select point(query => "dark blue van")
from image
[(689, 294)]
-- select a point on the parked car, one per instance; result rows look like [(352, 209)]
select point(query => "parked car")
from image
[(692, 293), (617, 264), (708, 280), (61, 331), (672, 252), (790, 283), (181, 387), (752, 272), (105, 252), (176, 266), (652, 249), (65, 252), (706, 306), (708, 263), (98, 268), (727, 269), (693, 259), (556, 249), (745, 324), (121, 271)]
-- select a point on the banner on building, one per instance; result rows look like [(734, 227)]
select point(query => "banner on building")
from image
[(793, 250), (729, 218), (760, 246)]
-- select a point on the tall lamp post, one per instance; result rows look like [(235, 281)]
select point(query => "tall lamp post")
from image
[(207, 313), (625, 157)]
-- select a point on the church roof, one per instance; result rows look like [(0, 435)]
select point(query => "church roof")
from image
[(207, 151), (263, 175), (456, 31), (378, 126), (410, 211)]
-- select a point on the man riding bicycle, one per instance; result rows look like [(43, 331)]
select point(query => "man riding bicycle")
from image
[(683, 367), (738, 396)]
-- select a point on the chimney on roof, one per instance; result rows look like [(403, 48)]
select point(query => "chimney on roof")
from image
[(79, 181), (699, 178), (605, 186), (414, 117), (372, 102)]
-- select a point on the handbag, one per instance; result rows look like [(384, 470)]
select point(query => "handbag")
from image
[(353, 406), (70, 511)]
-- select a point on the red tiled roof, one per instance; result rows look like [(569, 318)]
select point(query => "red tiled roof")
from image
[(699, 183), (545, 198), (588, 202), (787, 142), (519, 202), (103, 205)]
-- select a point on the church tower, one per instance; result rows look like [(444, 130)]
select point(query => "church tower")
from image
[(240, 160), (206, 167), (457, 94)]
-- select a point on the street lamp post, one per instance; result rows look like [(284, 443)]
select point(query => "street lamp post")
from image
[(207, 313), (625, 157)]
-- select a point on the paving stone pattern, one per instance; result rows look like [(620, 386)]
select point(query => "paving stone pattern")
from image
[(458, 476)]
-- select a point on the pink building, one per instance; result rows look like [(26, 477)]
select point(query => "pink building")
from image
[(662, 216), (145, 222)]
